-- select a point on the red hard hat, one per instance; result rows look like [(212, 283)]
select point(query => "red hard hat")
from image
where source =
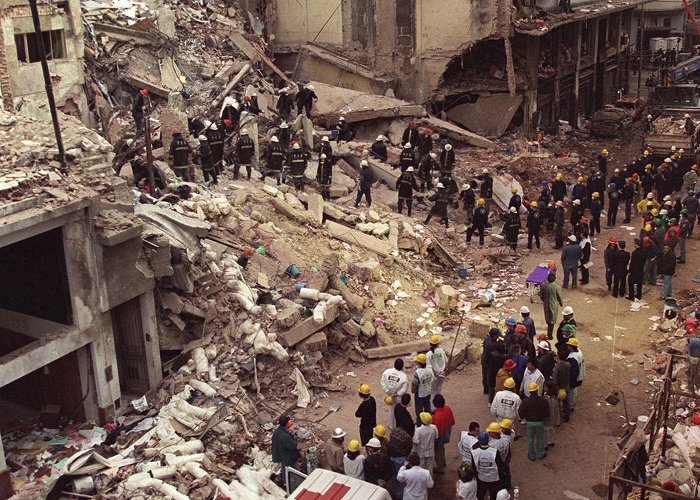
[(176, 131), (427, 131), (520, 329), (612, 240), (635, 176), (509, 364), (144, 92), (246, 98), (228, 122), (412, 123), (646, 241), (584, 220)]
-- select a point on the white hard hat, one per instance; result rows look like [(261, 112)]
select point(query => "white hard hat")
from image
[(440, 185), (407, 145), (341, 119), (543, 344), (577, 201), (207, 123), (466, 186), (686, 115), (323, 156), (254, 94), (673, 148), (296, 146), (284, 125), (572, 238), (559, 203), (663, 211), (409, 169), (338, 432), (379, 138), (681, 150), (274, 139), (202, 137), (364, 163), (485, 171), (325, 139), (524, 310), (374, 443), (433, 155), (310, 87), (214, 127), (512, 210), (244, 131), (617, 170), (668, 160), (667, 197), (567, 310), (649, 117), (650, 196), (448, 147)]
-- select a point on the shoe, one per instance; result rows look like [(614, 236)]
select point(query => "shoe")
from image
[(551, 445), (531, 458)]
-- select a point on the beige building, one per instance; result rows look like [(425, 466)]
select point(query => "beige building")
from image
[(20, 68)]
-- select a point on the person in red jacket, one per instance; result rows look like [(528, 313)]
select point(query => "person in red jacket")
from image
[(443, 419)]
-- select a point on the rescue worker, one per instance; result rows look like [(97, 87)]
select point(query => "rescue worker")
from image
[(599, 186), (250, 106), (377, 467), (467, 441), (335, 450), (274, 158), (206, 158), (479, 220), (394, 383), (558, 188), (578, 371), (690, 178), (603, 162), (486, 189), (487, 463), (535, 411), (345, 133), (441, 199), (326, 148), (410, 134), (648, 179), (364, 186), (407, 158), (585, 245), (506, 402), (325, 167), (425, 167), (609, 261), (285, 137), (378, 149), (141, 100), (354, 461), (284, 105), (596, 210), (515, 200), (620, 261), (425, 143), (528, 322), (566, 328), (511, 228), (468, 199), (636, 271), (216, 143), (421, 386), (285, 449), (297, 162), (580, 191), (416, 480), (367, 413), (437, 360), (545, 193), (627, 195), (447, 159), (405, 185), (667, 268), (689, 126), (575, 215), (570, 257), (534, 222), (613, 203), (305, 100), (558, 225), (692, 205), (180, 155), (245, 150)]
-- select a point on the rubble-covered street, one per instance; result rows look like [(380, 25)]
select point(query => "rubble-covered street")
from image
[(252, 214)]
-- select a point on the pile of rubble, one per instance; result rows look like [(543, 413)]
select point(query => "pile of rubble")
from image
[(667, 125)]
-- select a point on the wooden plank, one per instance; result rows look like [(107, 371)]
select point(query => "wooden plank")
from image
[(402, 349), (457, 133), (255, 54)]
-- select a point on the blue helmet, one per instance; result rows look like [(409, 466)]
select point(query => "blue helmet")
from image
[(613, 185), (510, 321), (543, 183), (483, 438)]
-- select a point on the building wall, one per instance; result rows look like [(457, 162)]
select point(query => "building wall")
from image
[(26, 79), (299, 21)]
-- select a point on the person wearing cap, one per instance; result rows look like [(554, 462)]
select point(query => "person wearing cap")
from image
[(636, 271), (367, 413), (424, 440), (230, 115), (335, 450), (364, 186), (558, 219), (442, 199), (585, 261), (284, 104), (683, 234), (377, 466), (447, 159), (416, 480), (575, 215), (567, 327), (245, 150), (379, 433), (344, 132), (297, 161), (528, 322), (689, 125), (579, 191), (672, 235), (613, 203), (534, 223), (561, 377), (506, 402), (545, 359), (421, 385), (250, 106), (180, 156), (570, 257), (407, 157), (489, 466), (305, 100), (141, 101), (532, 374), (498, 442), (466, 487), (558, 188), (468, 198), (603, 162), (523, 340), (608, 260), (437, 361), (627, 195), (667, 268), (426, 165), (325, 176), (394, 383), (378, 149), (692, 205), (216, 143), (486, 188), (516, 200), (690, 178), (596, 211), (354, 461), (443, 420), (403, 417), (503, 374), (405, 185), (552, 299), (325, 148), (424, 144), (206, 160), (511, 227), (508, 433), (410, 135), (479, 220), (577, 373), (486, 351), (285, 136), (285, 449), (534, 410), (545, 196), (509, 334)]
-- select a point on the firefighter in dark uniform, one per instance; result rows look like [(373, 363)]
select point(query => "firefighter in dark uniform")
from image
[(407, 158), (447, 159), (427, 163), (441, 199), (425, 143), (245, 150), (479, 220), (297, 166), (378, 149), (285, 137), (216, 143), (406, 184), (468, 197), (274, 158), (180, 155), (325, 175), (410, 134), (207, 160), (534, 222)]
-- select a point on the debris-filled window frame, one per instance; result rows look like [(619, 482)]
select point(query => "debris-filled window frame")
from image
[(28, 49)]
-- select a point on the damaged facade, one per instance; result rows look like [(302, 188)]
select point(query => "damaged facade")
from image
[(20, 66)]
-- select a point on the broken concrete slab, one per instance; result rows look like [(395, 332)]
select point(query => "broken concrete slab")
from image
[(254, 53), (182, 231), (447, 298), (286, 209), (354, 237), (171, 301), (315, 208), (394, 234), (457, 133), (351, 328), (502, 185), (308, 327), (402, 349), (316, 342), (354, 301), (367, 271), (489, 116)]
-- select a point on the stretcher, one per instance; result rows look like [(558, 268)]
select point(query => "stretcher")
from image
[(535, 279)]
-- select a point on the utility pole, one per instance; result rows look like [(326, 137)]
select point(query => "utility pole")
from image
[(640, 51), (48, 84), (149, 151)]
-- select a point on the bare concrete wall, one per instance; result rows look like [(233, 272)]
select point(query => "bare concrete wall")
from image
[(299, 21)]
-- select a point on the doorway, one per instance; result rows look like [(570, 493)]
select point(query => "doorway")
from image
[(129, 343)]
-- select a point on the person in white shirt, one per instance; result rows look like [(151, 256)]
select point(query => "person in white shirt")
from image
[(417, 480), (532, 374), (501, 443), (487, 463), (421, 385), (467, 440), (466, 484), (353, 462), (437, 360), (506, 402), (395, 384), (424, 439)]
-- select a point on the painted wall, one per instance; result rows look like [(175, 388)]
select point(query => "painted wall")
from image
[(299, 21)]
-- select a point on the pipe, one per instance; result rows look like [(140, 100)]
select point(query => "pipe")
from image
[(171, 459), (138, 482), (203, 387)]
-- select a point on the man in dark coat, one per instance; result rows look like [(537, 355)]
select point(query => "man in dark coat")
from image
[(305, 100), (534, 222), (245, 150), (137, 109), (447, 159), (285, 449), (486, 356), (365, 185), (570, 257), (613, 203), (441, 199), (345, 133), (407, 158), (297, 162), (596, 210), (325, 176), (425, 143), (367, 413), (216, 143), (425, 167), (378, 149), (558, 188), (558, 225), (274, 158), (620, 261), (284, 104), (206, 160), (479, 220), (410, 134), (636, 271), (511, 228), (180, 155), (405, 185), (486, 185)]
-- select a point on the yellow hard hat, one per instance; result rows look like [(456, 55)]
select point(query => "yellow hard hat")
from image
[(426, 418), (654, 212), (481, 202), (364, 389), (533, 204), (648, 166), (509, 383), (493, 427), (434, 339), (605, 151), (513, 190), (558, 176), (694, 167), (506, 423), (581, 179), (380, 431), (420, 358), (646, 152), (354, 445), (561, 394), (596, 195), (647, 228), (573, 341), (389, 400), (533, 387)]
